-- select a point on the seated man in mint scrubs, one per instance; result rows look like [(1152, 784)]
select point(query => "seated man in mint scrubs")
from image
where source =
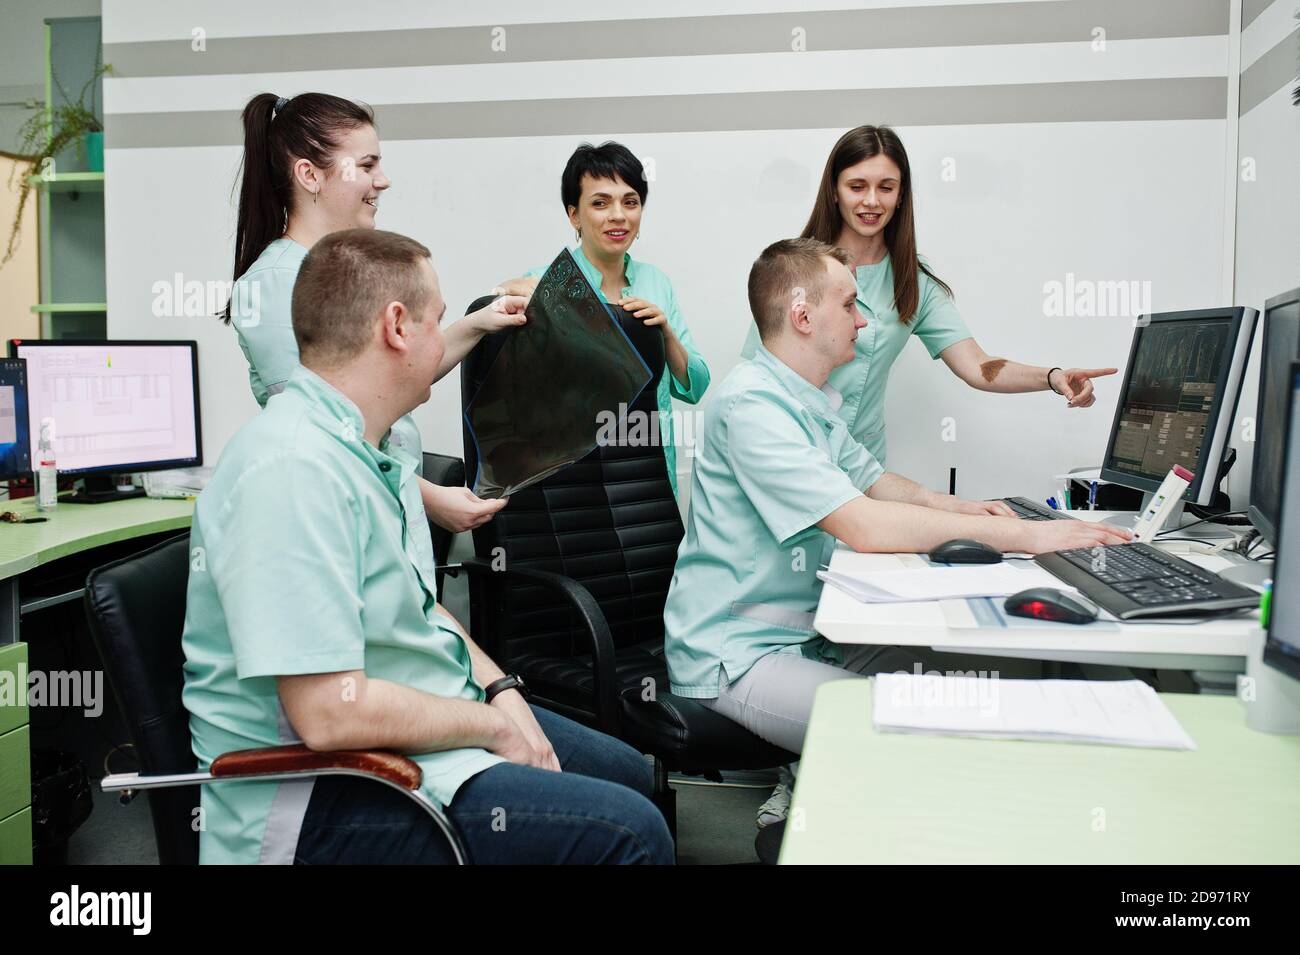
[(311, 616), (778, 480)]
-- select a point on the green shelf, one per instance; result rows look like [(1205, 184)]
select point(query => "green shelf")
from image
[(69, 182), (70, 196), (66, 307)]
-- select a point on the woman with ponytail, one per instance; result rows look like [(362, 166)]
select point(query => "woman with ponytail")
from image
[(311, 167), (864, 206)]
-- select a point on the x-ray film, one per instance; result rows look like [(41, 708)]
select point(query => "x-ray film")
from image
[(539, 407)]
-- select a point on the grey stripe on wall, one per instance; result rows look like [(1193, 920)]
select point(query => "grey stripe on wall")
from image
[(894, 27), (1201, 97), (1272, 71), (22, 93), (1250, 9)]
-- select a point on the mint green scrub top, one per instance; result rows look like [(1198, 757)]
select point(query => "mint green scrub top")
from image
[(651, 285), (774, 458), (309, 553), (862, 381), (261, 312)]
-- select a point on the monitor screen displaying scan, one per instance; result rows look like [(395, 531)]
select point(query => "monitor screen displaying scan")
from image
[(1169, 397)]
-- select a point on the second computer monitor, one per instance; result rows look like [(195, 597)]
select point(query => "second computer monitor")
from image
[(1282, 645), (1179, 398), (118, 406), (1281, 347)]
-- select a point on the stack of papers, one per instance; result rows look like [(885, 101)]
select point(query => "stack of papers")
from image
[(939, 583), (1118, 713), (179, 482)]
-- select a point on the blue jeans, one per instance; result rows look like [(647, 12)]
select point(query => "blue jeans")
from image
[(596, 811)]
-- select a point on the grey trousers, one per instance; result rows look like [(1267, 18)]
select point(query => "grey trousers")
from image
[(774, 698)]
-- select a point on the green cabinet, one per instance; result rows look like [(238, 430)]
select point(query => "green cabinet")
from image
[(15, 758), (16, 839)]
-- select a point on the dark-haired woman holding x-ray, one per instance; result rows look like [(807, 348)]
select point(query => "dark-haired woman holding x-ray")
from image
[(604, 190)]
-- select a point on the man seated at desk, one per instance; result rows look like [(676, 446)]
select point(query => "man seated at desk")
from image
[(778, 479), (311, 616)]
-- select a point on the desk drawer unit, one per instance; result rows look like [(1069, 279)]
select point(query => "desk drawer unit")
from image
[(15, 758)]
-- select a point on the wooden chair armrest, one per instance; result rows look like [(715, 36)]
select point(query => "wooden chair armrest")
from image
[(392, 767)]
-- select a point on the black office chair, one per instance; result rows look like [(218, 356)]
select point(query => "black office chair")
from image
[(136, 610), (446, 471), (576, 606)]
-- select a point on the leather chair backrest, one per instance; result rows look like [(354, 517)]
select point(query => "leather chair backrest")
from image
[(136, 610), (609, 521), (445, 471)]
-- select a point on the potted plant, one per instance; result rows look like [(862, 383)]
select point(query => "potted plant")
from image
[(48, 132)]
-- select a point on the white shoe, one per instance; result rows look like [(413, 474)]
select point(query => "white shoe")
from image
[(776, 808)]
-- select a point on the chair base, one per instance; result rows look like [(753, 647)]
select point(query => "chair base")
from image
[(665, 798)]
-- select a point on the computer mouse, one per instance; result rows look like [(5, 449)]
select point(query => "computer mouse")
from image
[(1048, 603), (964, 551)]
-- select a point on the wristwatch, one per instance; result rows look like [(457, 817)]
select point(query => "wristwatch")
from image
[(511, 681)]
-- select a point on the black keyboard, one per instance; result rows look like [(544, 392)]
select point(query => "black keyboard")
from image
[(1136, 580), (1033, 511)]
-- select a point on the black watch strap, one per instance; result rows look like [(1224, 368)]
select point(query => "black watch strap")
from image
[(510, 681)]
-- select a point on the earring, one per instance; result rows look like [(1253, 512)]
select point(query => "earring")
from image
[(577, 234), (638, 233), (314, 195)]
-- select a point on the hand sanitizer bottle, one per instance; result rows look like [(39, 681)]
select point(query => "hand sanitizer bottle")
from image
[(47, 473)]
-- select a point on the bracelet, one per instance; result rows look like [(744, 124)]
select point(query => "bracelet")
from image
[(1049, 381)]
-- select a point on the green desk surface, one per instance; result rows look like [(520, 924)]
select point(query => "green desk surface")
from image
[(73, 528), (868, 797)]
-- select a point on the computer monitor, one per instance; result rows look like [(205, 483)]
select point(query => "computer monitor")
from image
[(118, 407), (1281, 347), (1282, 643), (1179, 399), (15, 448)]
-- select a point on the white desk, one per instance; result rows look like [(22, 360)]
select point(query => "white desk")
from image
[(979, 627)]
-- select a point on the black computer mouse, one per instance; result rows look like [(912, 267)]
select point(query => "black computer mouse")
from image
[(1048, 603), (964, 551)]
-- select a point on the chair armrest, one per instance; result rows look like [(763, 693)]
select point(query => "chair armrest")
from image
[(443, 469), (609, 714), (391, 767), (483, 301), (299, 762)]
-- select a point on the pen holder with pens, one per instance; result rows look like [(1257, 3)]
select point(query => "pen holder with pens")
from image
[(1110, 497)]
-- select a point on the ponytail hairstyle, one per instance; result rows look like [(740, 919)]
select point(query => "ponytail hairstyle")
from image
[(277, 132), (826, 223)]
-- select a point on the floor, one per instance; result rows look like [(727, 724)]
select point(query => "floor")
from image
[(715, 827)]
